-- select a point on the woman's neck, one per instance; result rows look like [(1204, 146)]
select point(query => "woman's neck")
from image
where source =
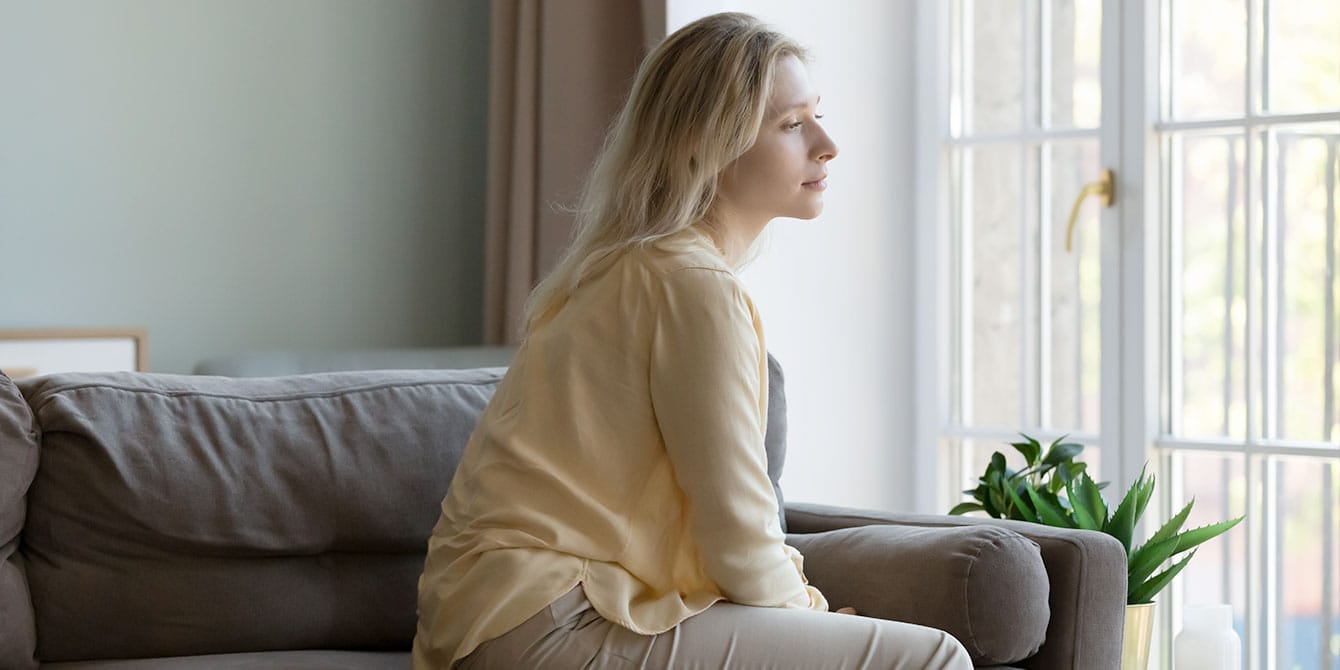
[(733, 235)]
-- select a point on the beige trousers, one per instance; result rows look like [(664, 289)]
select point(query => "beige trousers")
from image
[(570, 634)]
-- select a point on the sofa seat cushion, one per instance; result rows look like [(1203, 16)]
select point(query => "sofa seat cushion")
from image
[(986, 586), (273, 660), (174, 515)]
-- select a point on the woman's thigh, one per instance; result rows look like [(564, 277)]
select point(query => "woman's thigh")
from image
[(726, 635)]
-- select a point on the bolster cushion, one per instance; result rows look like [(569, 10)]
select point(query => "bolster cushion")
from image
[(985, 586)]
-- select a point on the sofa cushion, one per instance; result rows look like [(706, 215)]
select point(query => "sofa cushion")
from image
[(986, 586), (180, 515), (774, 437), (18, 463), (276, 363)]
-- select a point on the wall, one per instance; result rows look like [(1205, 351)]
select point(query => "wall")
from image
[(246, 174), (252, 175), (836, 293)]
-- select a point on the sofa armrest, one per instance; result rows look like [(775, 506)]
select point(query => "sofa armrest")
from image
[(1086, 573), (984, 585)]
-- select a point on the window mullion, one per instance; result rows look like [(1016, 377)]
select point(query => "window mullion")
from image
[(1230, 266), (1260, 641), (1328, 603), (1173, 214), (1027, 253)]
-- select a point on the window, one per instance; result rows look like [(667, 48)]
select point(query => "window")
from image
[(1194, 324), (1248, 128), (1023, 134)]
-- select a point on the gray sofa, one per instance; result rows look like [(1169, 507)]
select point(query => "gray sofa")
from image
[(175, 521)]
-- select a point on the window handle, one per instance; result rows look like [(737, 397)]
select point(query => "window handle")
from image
[(1105, 188)]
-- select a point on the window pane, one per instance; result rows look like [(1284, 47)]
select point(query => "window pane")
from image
[(996, 320), (1075, 290), (1303, 162), (1209, 58), (1302, 539), (1217, 483), (1208, 178), (1304, 58), (1076, 46), (994, 35)]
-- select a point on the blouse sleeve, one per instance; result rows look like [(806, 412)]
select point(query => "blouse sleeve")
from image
[(707, 374)]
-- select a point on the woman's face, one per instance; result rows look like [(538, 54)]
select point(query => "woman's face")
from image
[(784, 172)]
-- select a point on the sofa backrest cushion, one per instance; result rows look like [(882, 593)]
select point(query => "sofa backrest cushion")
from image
[(18, 464), (176, 515), (774, 439), (275, 363)]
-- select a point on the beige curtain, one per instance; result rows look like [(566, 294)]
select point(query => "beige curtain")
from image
[(559, 70)]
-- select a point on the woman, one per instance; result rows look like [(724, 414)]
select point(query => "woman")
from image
[(613, 508)]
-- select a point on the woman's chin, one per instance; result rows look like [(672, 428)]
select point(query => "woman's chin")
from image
[(811, 212)]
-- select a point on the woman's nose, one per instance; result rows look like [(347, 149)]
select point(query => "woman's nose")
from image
[(825, 150)]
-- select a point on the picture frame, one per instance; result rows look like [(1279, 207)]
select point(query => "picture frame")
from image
[(32, 353)]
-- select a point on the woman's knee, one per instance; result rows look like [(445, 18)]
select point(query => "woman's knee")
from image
[(924, 647), (955, 656)]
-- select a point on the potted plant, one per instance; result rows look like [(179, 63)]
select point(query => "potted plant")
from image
[(1055, 490)]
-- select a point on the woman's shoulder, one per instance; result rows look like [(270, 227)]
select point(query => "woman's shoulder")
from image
[(688, 250), (691, 271)]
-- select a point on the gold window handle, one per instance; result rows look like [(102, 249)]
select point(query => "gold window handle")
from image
[(1106, 190)]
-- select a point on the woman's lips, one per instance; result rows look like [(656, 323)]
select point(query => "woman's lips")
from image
[(817, 185)]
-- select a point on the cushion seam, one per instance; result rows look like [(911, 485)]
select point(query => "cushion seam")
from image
[(967, 612), (47, 395)]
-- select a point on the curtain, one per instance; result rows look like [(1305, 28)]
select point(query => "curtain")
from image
[(559, 70)]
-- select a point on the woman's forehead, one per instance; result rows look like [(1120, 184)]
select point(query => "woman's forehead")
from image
[(791, 88)]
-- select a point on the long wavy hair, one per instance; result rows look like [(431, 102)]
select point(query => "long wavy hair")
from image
[(697, 103)]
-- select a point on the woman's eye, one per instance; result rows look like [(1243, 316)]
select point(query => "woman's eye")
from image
[(794, 125)]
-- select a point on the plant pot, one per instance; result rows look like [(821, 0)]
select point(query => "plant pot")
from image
[(1139, 629)]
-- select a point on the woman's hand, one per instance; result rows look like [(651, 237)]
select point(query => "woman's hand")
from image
[(846, 610)]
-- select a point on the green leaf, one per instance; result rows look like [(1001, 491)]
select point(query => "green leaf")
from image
[(1139, 594), (1023, 511), (965, 507), (1050, 511), (1090, 510), (1173, 525), (997, 463), (1057, 482), (1122, 523), (1030, 449), (1066, 472), (1061, 452), (1196, 536), (995, 504), (1145, 560), (1146, 489)]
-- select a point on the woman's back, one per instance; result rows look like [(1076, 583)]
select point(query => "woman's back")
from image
[(603, 447)]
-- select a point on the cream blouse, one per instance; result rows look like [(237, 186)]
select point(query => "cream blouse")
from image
[(623, 450)]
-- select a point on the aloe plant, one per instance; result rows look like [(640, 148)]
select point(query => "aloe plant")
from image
[(1035, 494)]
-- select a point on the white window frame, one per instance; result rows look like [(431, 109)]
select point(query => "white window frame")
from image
[(1134, 316), (1129, 409)]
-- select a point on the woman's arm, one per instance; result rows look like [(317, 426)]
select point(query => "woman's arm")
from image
[(707, 389)]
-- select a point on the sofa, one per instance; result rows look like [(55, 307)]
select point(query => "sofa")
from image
[(203, 521)]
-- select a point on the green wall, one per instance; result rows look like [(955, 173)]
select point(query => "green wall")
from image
[(242, 175)]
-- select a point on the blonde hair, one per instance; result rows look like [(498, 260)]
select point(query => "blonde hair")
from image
[(697, 103)]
